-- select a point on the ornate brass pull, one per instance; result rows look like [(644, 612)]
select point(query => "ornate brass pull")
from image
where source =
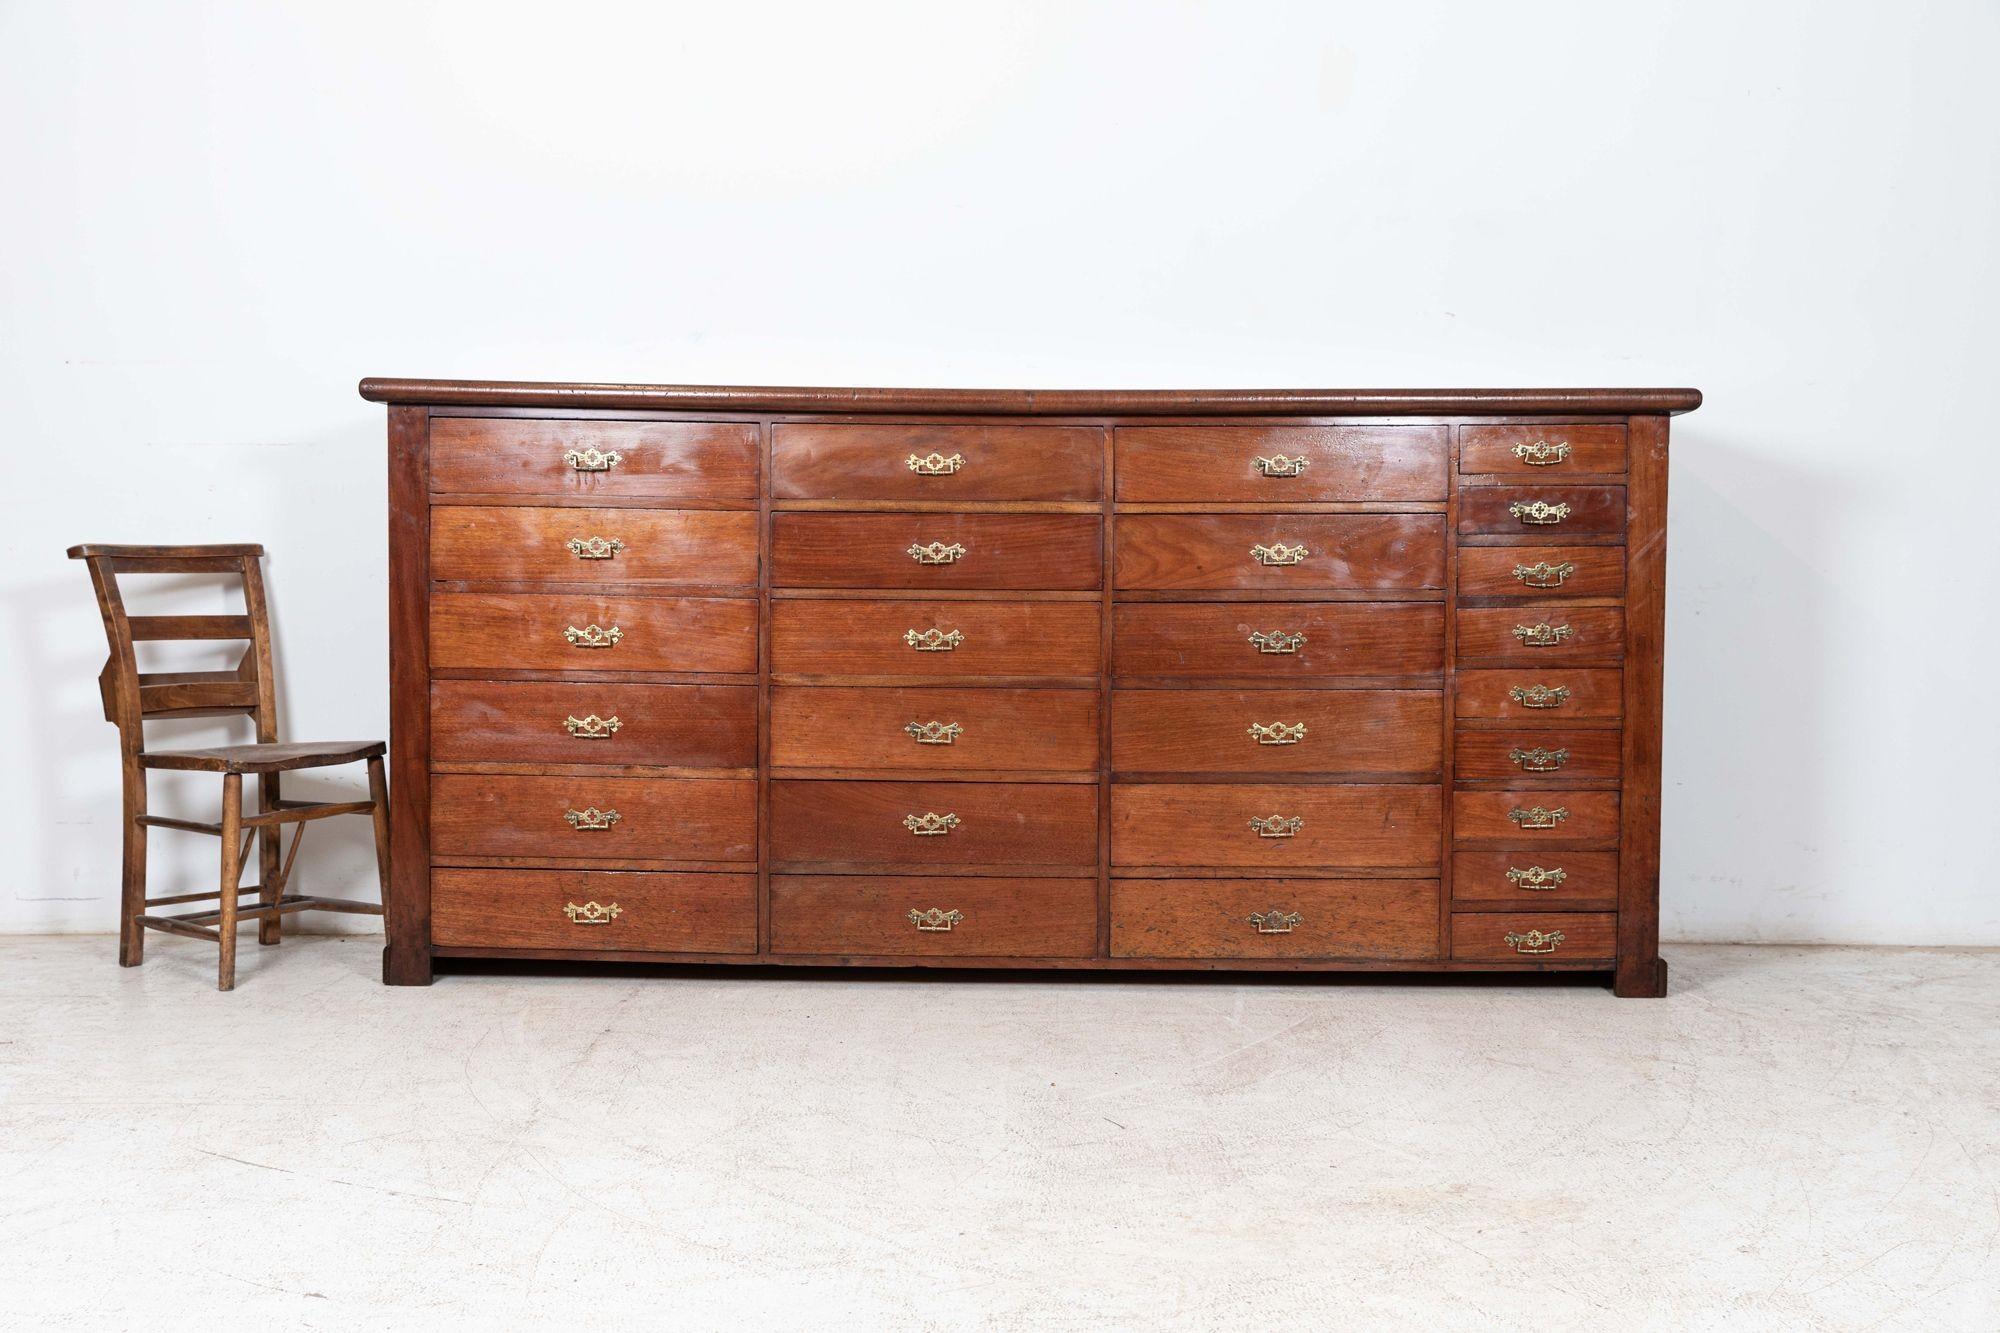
[(1275, 922), (1542, 453), (1542, 574), (1277, 641), (1543, 635), (1538, 511), (593, 636), (593, 913), (592, 728), (1278, 553), (933, 640), (1277, 826), (935, 553), (1537, 880), (929, 825), (590, 460), (1539, 696), (590, 818), (1277, 733), (935, 464), (935, 918), (594, 548), (934, 733), (1537, 760), (1278, 465), (1538, 816), (1535, 941)]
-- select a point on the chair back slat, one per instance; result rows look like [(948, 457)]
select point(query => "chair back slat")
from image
[(155, 629)]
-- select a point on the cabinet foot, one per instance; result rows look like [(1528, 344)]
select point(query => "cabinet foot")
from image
[(1643, 980), (406, 967)]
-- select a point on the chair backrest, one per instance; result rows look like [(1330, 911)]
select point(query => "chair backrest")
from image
[(132, 696)]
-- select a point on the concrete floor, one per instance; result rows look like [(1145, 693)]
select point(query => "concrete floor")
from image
[(1797, 1138)]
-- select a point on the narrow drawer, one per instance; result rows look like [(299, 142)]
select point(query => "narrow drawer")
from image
[(1274, 826), (1534, 937), (1541, 572), (1281, 463), (1541, 511), (1348, 733), (1280, 551), (1536, 817), (1526, 694), (1537, 754), (1280, 641), (934, 729), (573, 722), (934, 823), (1274, 918), (826, 461), (1541, 635), (593, 632), (1541, 451), (594, 818), (621, 910), (713, 460), (933, 916), (1056, 552), (943, 640), (1558, 880), (715, 547)]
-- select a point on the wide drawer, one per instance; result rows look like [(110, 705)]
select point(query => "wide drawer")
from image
[(933, 729), (624, 910), (1536, 753), (934, 823), (1539, 635), (1541, 451), (574, 722), (1541, 572), (1280, 552), (1534, 937), (714, 460), (951, 640), (1538, 817), (1282, 641), (594, 818), (1056, 552), (1274, 918), (1281, 463), (1549, 879), (929, 915), (1275, 826), (1348, 733), (1528, 694), (1542, 511), (593, 632), (715, 547), (829, 461)]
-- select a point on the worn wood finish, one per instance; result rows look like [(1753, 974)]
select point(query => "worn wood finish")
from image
[(1287, 643), (1641, 970), (953, 640), (1531, 755), (523, 722), (1380, 552), (662, 819), (869, 914), (1360, 734), (1548, 450), (1518, 572), (974, 461), (1482, 936), (655, 912), (1268, 464), (1546, 635), (1569, 695), (1000, 551), (1583, 818), (1334, 918), (1593, 511), (1545, 879), (531, 631), (822, 823), (658, 460), (521, 543), (998, 730), (1199, 824)]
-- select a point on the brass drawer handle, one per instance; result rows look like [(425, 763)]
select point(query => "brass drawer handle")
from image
[(930, 825), (935, 918), (1539, 696), (1278, 553), (1277, 733), (1538, 511), (935, 464), (1543, 635), (1535, 879), (590, 818), (933, 640), (1275, 922), (1535, 759), (1542, 453), (1542, 574), (1277, 826), (934, 733), (1277, 641), (593, 913), (590, 460), (1278, 465), (1535, 941), (592, 728), (594, 548), (1538, 816), (935, 553), (593, 636)]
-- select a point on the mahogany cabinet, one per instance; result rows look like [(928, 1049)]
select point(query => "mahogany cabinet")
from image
[(1240, 679)]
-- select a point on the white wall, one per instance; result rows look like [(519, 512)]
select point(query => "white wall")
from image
[(216, 217)]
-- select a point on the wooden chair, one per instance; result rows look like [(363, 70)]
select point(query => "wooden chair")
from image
[(132, 696)]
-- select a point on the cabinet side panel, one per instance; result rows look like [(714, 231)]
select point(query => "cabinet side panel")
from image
[(1641, 972), (407, 959)]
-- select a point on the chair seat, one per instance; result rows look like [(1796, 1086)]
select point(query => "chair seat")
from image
[(278, 758)]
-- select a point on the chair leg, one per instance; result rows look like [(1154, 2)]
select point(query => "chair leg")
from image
[(268, 928), (232, 875), (132, 887), (378, 792)]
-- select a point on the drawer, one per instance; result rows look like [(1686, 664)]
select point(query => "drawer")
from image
[(1541, 572), (622, 910), (934, 823), (594, 818), (593, 632), (942, 640), (1055, 552), (826, 461), (1541, 511), (712, 460), (1537, 754), (1213, 463), (1537, 817), (1534, 937), (934, 729), (715, 547), (1274, 918), (1529, 695), (1281, 551), (1540, 635), (934, 916), (570, 722), (1541, 451), (1534, 875), (1274, 826), (1280, 641), (1349, 733)]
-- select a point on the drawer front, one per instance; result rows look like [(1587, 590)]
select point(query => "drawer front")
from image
[(712, 460), (1274, 826), (1281, 463), (1542, 511), (1535, 877), (1527, 694), (1282, 552), (1534, 937), (1541, 451), (1536, 818), (1349, 733), (666, 819), (934, 916), (571, 722), (1274, 918), (593, 632), (941, 640), (715, 547), (1055, 552), (1537, 755), (820, 461), (1541, 573), (639, 911), (1279, 641), (934, 823), (933, 729), (1542, 634)]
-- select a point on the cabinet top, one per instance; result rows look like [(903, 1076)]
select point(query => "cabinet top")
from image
[(1036, 402)]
